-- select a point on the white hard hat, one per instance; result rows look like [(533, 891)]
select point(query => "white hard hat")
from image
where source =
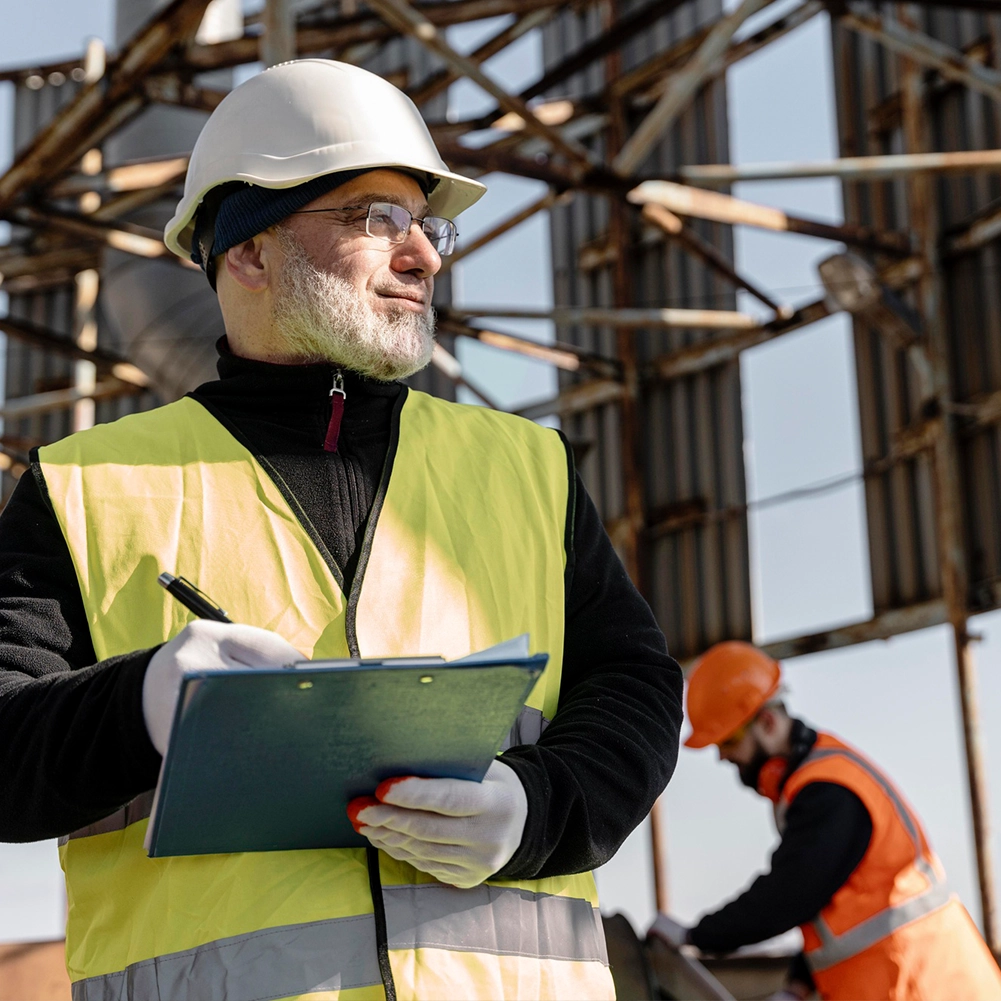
[(303, 119)]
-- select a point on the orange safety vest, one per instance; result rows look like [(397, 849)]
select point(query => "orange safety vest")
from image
[(893, 930)]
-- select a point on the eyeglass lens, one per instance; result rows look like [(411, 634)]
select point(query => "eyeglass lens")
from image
[(393, 222)]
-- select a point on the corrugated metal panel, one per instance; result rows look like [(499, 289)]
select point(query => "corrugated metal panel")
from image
[(900, 502), (28, 369), (695, 571)]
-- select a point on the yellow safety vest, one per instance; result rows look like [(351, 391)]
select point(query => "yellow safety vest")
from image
[(464, 548)]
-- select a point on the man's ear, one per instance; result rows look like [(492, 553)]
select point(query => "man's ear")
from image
[(768, 721), (250, 264)]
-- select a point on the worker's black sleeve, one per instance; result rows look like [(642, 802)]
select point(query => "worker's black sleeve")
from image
[(73, 745), (827, 833), (613, 744)]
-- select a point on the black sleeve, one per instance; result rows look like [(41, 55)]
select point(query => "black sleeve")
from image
[(827, 834), (613, 745), (73, 745)]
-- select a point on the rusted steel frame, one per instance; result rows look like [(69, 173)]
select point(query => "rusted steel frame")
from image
[(855, 168), (924, 221), (609, 41), (131, 200), (706, 62), (18, 74), (688, 238), (556, 175), (568, 357), (17, 263), (504, 226), (882, 627), (105, 361), (635, 559), (702, 204), (127, 177), (644, 79), (981, 413), (719, 351), (170, 88), (133, 239), (351, 30), (103, 105), (926, 51), (410, 21), (575, 399), (984, 228), (64, 399), (628, 318), (439, 82)]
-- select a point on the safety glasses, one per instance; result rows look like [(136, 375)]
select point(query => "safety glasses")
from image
[(386, 221)]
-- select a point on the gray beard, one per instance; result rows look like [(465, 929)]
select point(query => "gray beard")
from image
[(320, 318)]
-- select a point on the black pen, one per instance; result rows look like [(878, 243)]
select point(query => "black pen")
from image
[(192, 599)]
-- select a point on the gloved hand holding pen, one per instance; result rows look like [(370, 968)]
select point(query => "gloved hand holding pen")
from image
[(458, 831), (204, 644)]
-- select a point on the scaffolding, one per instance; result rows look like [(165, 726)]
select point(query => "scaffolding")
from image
[(627, 129)]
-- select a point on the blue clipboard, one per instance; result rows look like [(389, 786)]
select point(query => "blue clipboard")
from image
[(268, 759)]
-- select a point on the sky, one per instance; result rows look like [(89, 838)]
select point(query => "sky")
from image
[(896, 700)]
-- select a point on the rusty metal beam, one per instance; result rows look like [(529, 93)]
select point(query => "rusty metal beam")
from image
[(925, 51), (438, 83), (720, 350), (882, 627), (673, 319), (575, 399), (705, 63), (129, 237), (63, 399), (672, 225), (504, 226), (621, 32), (702, 204), (646, 83), (102, 106), (410, 21), (567, 357), (170, 88), (856, 168), (354, 29), (105, 361)]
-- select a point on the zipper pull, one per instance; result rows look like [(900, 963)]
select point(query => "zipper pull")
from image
[(337, 398)]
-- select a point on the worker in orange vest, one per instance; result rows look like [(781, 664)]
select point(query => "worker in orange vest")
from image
[(854, 868)]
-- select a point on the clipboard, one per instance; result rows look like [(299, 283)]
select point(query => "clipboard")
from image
[(267, 759)]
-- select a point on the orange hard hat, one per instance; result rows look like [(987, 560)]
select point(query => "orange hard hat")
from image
[(728, 685)]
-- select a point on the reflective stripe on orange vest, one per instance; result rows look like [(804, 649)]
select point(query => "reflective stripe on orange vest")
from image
[(838, 948), (892, 932)]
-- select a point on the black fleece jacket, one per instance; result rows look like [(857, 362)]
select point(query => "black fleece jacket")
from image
[(826, 835), (73, 746)]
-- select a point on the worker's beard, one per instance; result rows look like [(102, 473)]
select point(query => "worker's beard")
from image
[(750, 772), (320, 317)]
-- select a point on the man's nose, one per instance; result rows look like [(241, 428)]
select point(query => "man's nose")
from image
[(416, 254)]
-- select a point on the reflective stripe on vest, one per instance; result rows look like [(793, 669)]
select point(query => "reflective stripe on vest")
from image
[(836, 949), (465, 548), (339, 954)]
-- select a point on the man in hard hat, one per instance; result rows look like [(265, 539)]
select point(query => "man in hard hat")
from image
[(334, 513), (854, 868)]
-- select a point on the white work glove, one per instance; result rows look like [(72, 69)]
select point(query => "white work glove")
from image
[(200, 645), (460, 832)]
